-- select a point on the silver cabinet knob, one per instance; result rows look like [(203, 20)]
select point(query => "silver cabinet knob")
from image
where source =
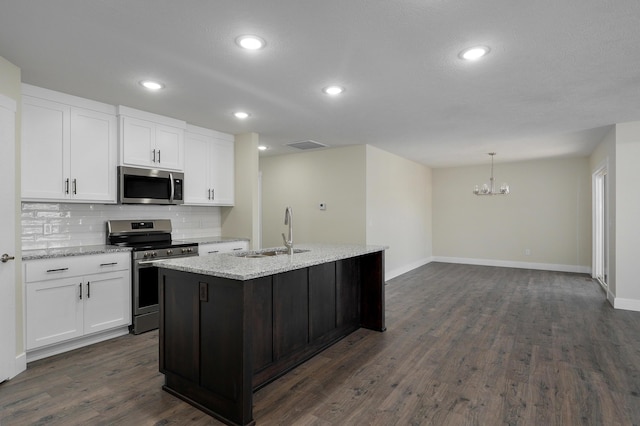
[(5, 258)]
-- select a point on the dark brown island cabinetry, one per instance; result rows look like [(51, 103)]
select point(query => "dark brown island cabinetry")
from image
[(221, 339)]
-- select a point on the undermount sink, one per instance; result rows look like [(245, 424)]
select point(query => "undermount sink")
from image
[(268, 253)]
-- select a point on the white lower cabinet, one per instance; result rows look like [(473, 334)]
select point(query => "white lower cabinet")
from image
[(230, 246), (71, 298)]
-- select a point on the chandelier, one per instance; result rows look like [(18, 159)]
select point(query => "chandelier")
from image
[(490, 189)]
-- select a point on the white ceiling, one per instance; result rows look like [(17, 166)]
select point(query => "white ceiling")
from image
[(558, 73)]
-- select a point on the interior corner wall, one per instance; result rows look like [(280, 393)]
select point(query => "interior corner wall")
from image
[(545, 223), (10, 86), (243, 219), (399, 210), (627, 212), (303, 180)]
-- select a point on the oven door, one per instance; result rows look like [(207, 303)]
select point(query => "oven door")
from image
[(145, 287)]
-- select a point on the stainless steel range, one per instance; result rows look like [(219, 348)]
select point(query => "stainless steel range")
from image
[(150, 241)]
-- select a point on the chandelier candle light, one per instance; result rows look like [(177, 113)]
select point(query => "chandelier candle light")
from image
[(490, 189)]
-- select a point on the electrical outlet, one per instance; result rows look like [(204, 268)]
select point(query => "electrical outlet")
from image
[(46, 229), (322, 206), (527, 252)]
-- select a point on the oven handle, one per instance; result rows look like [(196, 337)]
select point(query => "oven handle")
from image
[(173, 189), (150, 262)]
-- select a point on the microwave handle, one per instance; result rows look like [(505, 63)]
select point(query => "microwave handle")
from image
[(173, 188)]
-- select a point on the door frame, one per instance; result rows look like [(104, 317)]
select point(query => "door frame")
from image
[(12, 364), (600, 213)]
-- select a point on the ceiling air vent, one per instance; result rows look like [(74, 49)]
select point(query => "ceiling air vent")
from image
[(307, 145)]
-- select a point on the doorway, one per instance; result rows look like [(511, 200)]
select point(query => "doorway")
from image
[(600, 227)]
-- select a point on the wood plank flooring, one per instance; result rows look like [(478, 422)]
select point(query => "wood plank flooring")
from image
[(465, 345)]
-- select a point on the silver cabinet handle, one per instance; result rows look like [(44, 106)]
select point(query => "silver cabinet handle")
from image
[(66, 186), (109, 264), (80, 287), (159, 157), (209, 191), (5, 258), (88, 289), (213, 194), (57, 270), (154, 156), (213, 251), (75, 186)]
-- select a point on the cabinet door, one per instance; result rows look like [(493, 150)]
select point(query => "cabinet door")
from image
[(290, 312), (196, 169), (180, 325), (45, 144), (107, 301), (322, 299), (169, 148), (138, 142), (54, 311), (93, 156), (222, 172)]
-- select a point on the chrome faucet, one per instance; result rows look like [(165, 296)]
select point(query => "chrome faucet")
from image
[(288, 220)]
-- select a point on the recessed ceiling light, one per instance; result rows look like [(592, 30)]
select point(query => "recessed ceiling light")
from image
[(251, 42), (151, 85), (474, 53), (333, 90), (263, 147), (241, 115)]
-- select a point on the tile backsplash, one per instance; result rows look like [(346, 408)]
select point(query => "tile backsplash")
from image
[(51, 225)]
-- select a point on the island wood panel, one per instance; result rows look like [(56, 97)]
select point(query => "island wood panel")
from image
[(290, 312), (322, 300), (348, 287), (262, 322), (372, 299)]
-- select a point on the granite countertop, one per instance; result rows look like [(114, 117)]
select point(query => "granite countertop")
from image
[(71, 251), (230, 265), (212, 240)]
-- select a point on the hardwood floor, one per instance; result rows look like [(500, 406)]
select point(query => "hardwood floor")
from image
[(465, 345)]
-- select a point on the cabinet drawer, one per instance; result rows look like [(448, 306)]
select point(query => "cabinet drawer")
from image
[(204, 249), (73, 266)]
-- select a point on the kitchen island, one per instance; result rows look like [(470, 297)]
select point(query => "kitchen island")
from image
[(231, 323)]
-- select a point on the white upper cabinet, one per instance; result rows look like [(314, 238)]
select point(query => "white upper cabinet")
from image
[(150, 140), (69, 148), (209, 167)]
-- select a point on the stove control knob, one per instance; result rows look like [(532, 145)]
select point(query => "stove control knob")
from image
[(184, 250), (169, 252), (189, 250), (154, 254), (146, 255)]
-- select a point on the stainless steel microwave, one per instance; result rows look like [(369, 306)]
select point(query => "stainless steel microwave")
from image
[(149, 186)]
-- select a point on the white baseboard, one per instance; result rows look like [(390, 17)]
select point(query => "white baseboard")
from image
[(19, 365), (406, 268), (512, 264), (626, 304), (58, 348)]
